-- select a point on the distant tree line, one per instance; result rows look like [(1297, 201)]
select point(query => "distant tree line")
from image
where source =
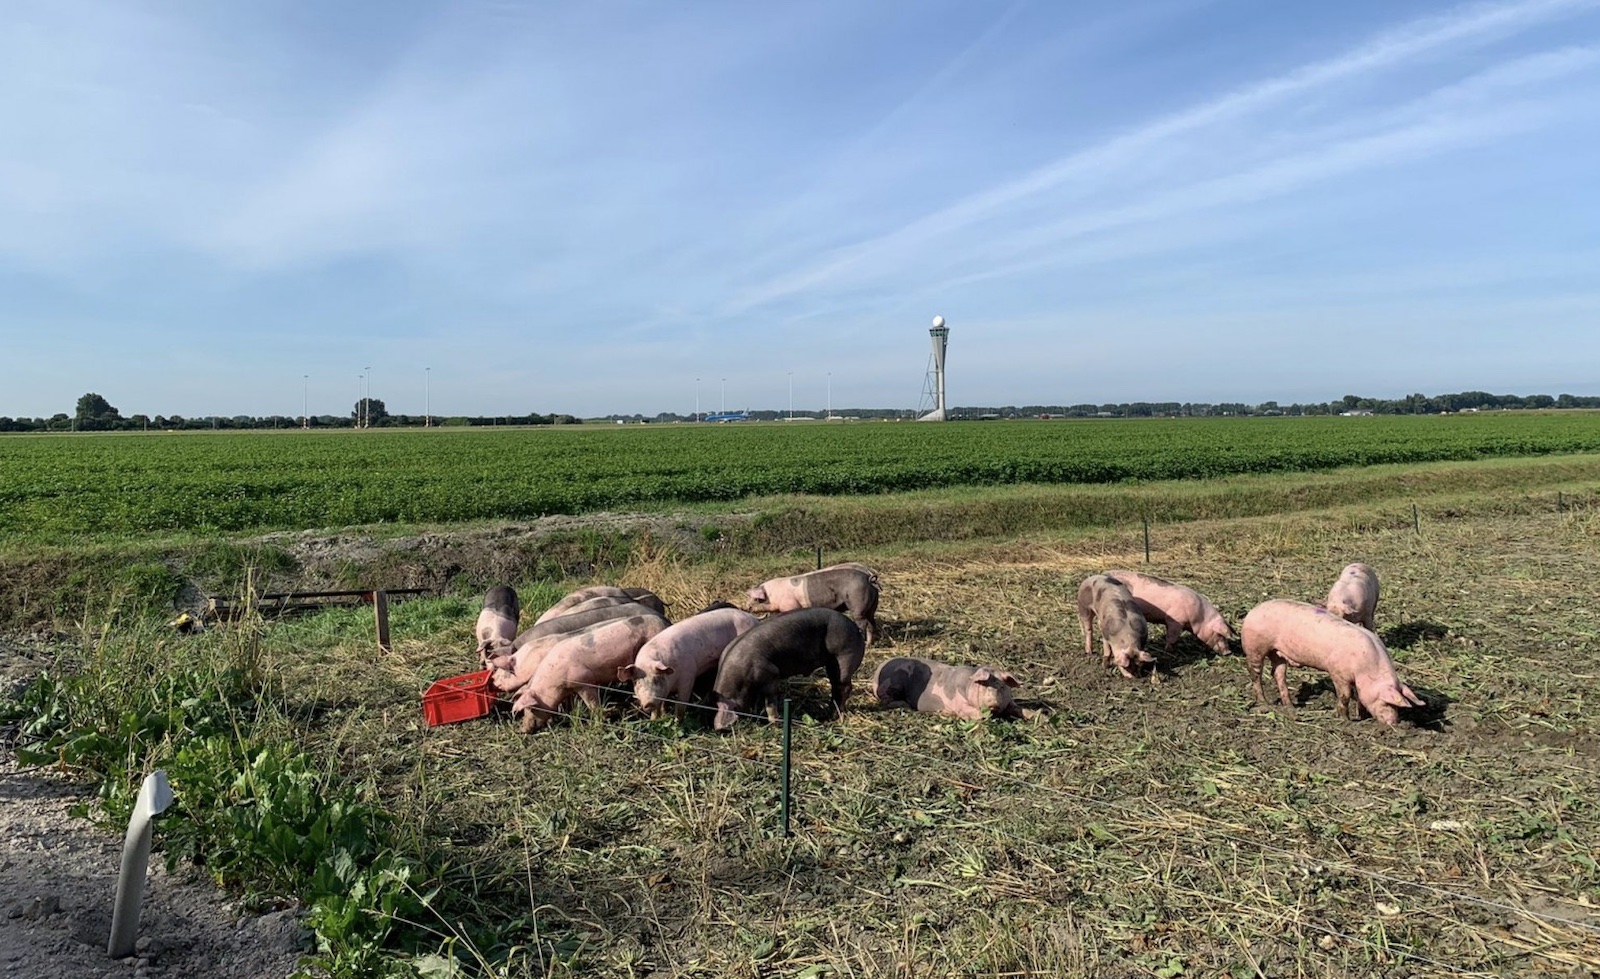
[(95, 414), (1411, 404)]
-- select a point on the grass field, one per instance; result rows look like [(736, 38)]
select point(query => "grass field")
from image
[(60, 489), (1123, 829)]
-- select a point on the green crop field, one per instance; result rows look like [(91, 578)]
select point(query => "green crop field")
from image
[(59, 488)]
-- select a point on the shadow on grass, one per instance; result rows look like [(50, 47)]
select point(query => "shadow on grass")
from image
[(900, 630), (1408, 634), (1430, 716), (1185, 653)]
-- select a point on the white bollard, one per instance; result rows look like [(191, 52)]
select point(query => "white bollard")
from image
[(155, 795)]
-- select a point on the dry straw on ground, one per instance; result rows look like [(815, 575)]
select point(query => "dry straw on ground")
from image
[(1123, 829)]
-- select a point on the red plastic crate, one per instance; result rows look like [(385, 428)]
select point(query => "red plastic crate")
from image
[(458, 698)]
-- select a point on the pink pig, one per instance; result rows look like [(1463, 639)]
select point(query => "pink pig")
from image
[(937, 688), (1287, 633), (851, 589), (497, 623), (580, 665), (1354, 597), (1178, 608), (643, 596), (513, 670), (667, 666)]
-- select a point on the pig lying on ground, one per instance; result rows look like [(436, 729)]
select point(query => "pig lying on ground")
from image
[(1354, 597), (937, 688), (792, 644), (643, 596), (512, 671), (1123, 631), (497, 623), (665, 669), (580, 664), (846, 590), (1287, 633), (1178, 608)]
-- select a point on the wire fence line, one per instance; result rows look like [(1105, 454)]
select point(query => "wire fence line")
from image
[(892, 804), (1213, 828)]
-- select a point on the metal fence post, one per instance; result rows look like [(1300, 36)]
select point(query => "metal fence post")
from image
[(785, 775)]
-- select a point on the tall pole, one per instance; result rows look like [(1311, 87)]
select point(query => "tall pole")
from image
[(366, 402), (724, 395), (427, 415), (697, 399), (305, 385), (358, 402)]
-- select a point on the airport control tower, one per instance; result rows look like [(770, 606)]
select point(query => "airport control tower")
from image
[(935, 385)]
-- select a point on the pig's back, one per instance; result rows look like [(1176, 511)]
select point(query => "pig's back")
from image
[(700, 638), (1171, 599), (1303, 634)]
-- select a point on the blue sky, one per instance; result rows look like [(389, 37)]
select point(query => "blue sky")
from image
[(584, 207)]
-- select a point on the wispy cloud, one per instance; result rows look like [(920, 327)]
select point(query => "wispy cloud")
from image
[(1415, 42), (1478, 110)]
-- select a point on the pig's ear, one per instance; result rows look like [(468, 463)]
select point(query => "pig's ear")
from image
[(1010, 680), (661, 669), (1401, 696), (629, 672), (982, 675)]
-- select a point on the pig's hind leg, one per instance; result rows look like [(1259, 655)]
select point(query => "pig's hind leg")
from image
[(1174, 630), (1280, 674)]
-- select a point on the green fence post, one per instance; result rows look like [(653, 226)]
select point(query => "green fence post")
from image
[(785, 796)]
